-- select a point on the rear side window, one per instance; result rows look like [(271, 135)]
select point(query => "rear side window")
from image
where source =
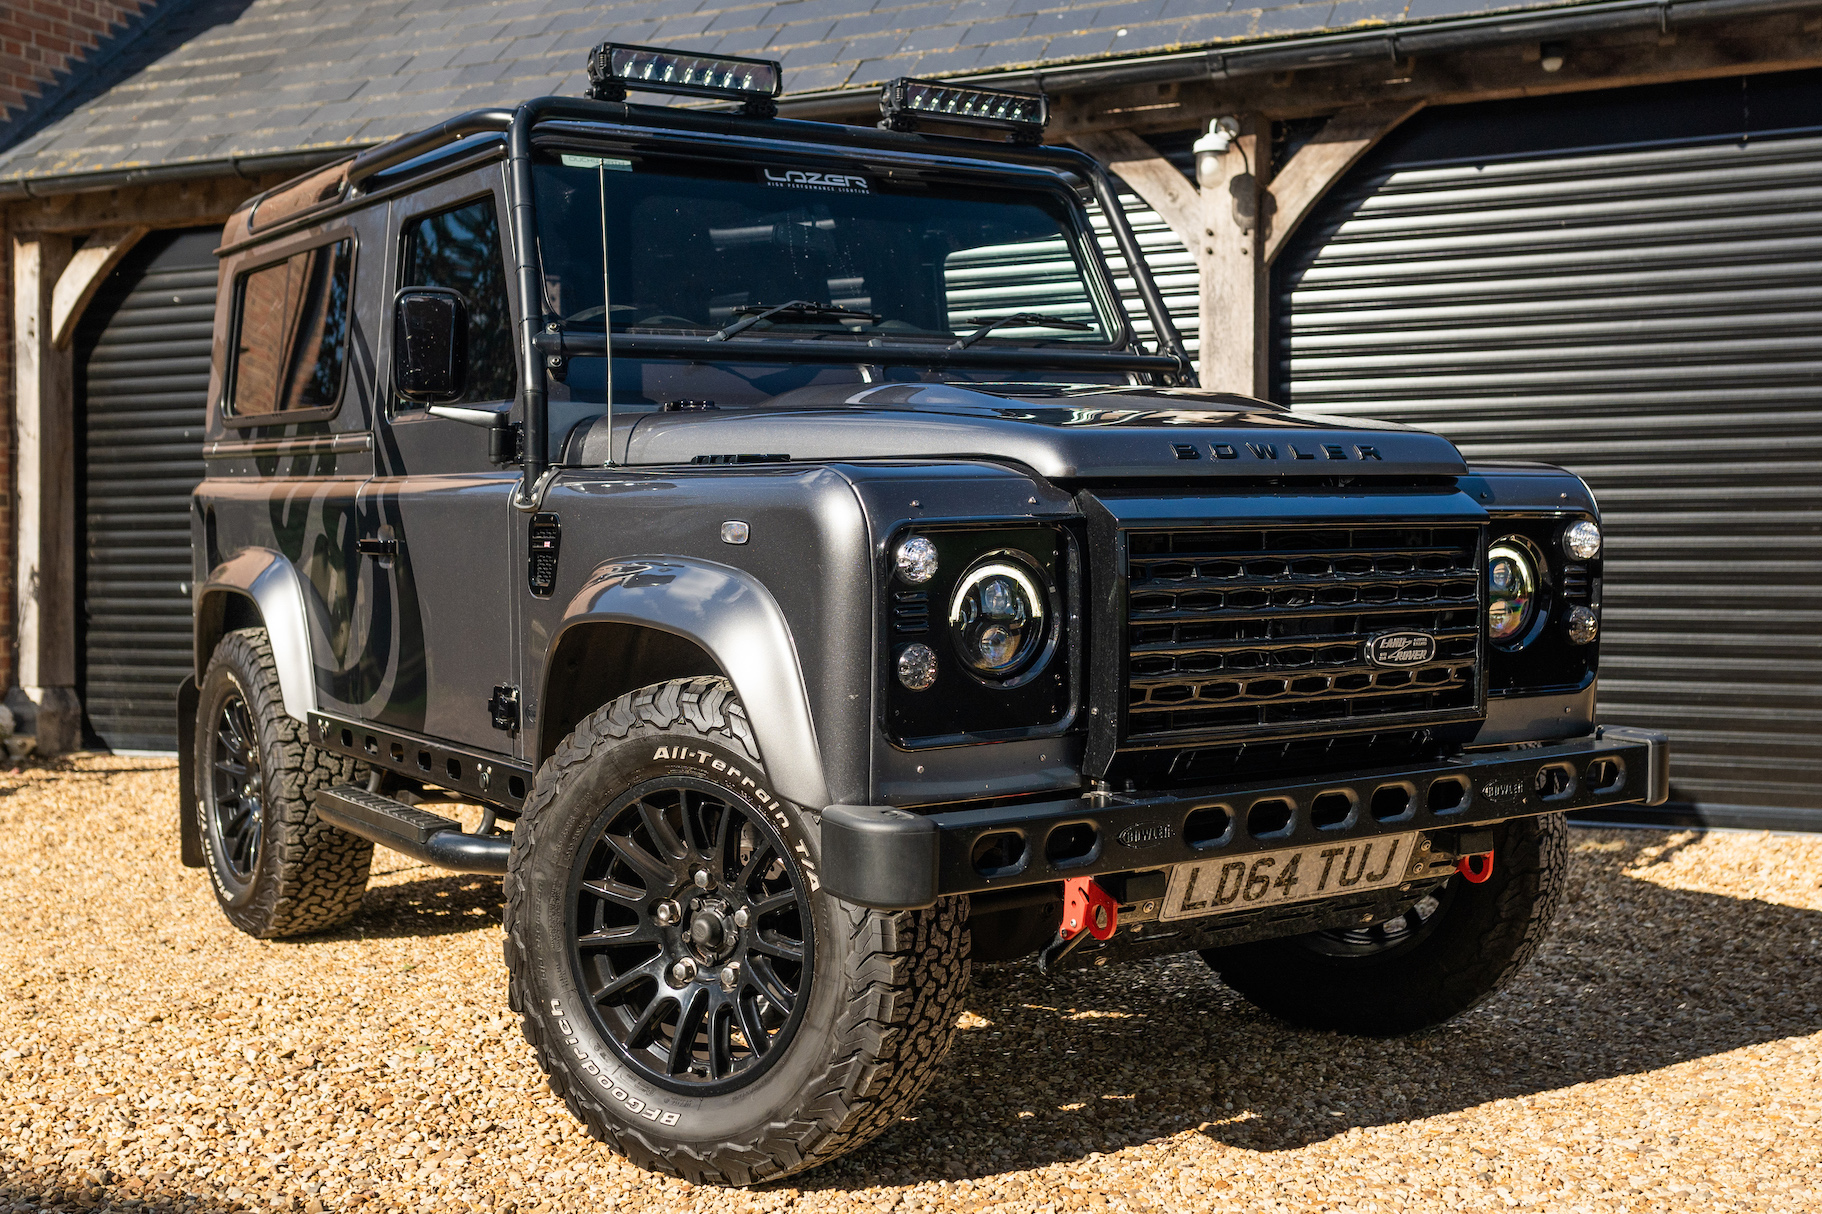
[(291, 331), (460, 249)]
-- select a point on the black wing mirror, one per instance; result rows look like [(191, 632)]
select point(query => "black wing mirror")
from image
[(430, 344)]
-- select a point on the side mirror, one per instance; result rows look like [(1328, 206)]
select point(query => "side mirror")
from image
[(430, 344)]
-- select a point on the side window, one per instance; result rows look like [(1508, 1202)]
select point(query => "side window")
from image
[(460, 249), (292, 333)]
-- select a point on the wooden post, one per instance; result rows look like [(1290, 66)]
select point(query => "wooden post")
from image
[(1231, 257), (44, 452), (1235, 218)]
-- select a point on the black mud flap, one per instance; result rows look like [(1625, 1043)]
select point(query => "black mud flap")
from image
[(188, 835)]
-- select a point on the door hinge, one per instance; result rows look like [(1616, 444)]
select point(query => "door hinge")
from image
[(504, 708), (505, 444)]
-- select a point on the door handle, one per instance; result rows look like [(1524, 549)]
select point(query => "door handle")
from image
[(377, 547)]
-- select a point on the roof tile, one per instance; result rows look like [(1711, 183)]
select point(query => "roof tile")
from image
[(996, 31), (214, 78)]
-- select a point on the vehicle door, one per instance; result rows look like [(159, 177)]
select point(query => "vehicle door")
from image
[(293, 448), (441, 511)]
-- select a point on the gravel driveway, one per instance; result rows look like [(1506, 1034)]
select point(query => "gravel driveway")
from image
[(1666, 1051)]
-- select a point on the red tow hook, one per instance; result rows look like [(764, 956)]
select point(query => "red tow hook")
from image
[(1477, 868), (1086, 906), (1088, 910)]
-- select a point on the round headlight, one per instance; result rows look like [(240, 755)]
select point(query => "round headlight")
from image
[(1511, 590), (999, 617), (916, 560), (917, 667), (1582, 540)]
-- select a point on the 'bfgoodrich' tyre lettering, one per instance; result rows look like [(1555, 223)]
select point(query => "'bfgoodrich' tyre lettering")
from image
[(883, 991)]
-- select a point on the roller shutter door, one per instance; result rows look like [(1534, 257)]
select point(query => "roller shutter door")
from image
[(142, 381), (1648, 314), (1171, 265)]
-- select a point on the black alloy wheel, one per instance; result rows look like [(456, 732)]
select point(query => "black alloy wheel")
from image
[(1452, 949), (276, 868), (691, 932), (1401, 931), (238, 816)]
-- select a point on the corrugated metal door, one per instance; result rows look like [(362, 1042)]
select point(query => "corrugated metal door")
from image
[(142, 382), (1649, 315), (1171, 266)]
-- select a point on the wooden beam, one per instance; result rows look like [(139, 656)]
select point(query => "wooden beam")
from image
[(44, 452), (1622, 59), (204, 203), (1232, 303), (1153, 178), (83, 276), (1318, 164)]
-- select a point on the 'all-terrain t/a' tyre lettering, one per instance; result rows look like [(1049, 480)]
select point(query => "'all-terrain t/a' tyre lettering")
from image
[(694, 995)]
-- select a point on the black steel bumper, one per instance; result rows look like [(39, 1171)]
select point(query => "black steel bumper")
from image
[(896, 859)]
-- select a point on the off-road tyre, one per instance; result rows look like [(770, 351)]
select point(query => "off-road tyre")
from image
[(305, 876), (883, 998), (1478, 938)]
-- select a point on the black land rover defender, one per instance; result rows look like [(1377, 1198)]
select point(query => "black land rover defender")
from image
[(787, 538)]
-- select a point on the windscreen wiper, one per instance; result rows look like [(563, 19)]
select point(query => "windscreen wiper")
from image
[(805, 309), (1027, 319)]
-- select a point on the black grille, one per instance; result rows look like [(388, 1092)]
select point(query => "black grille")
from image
[(1261, 632)]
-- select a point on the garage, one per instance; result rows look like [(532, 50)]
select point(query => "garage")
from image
[(1629, 284), (142, 383)]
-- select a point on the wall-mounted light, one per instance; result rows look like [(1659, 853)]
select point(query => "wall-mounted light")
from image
[(1213, 146), (1550, 56), (1220, 137)]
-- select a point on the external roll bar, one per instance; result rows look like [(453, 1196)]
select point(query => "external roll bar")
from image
[(518, 124)]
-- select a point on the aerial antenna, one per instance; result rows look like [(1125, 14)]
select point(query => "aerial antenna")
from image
[(607, 314)]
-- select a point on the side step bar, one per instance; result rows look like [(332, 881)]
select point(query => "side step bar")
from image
[(418, 833)]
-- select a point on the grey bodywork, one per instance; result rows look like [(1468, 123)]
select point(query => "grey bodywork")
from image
[(416, 639)]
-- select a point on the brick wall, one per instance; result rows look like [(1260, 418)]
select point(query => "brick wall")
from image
[(41, 39)]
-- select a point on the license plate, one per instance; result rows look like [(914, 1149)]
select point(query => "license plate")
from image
[(1295, 874)]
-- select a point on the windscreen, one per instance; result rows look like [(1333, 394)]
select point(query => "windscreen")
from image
[(696, 247)]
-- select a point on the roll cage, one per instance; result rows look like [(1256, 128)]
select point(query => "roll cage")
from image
[(402, 159)]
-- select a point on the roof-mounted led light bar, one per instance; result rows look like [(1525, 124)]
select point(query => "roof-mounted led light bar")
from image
[(615, 68), (904, 102)]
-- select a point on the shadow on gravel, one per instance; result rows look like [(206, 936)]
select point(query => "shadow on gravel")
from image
[(22, 1192), (1634, 977), (437, 904)]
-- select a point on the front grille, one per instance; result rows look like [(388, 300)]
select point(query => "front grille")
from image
[(1260, 632)]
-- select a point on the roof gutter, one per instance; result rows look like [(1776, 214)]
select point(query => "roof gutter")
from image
[(249, 167), (1384, 43)]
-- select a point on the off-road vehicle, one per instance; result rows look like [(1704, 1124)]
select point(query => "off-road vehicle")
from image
[(783, 537)]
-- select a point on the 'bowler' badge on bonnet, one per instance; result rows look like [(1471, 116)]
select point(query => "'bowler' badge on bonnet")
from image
[(1398, 649)]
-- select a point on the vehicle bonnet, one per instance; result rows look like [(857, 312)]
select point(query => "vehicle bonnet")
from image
[(1064, 432)]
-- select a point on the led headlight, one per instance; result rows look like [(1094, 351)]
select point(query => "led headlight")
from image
[(1512, 589), (1582, 540), (999, 618), (915, 560)]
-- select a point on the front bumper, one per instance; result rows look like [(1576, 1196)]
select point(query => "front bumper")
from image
[(894, 859)]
